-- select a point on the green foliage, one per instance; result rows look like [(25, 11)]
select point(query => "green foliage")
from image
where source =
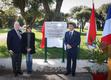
[(11, 11), (52, 52), (101, 15), (3, 49), (83, 14), (103, 9), (98, 55), (2, 31), (78, 9)]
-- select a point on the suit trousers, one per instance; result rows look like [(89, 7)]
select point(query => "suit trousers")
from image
[(16, 62), (71, 62)]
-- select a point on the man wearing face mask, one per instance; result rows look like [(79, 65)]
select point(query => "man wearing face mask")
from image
[(14, 47), (71, 40)]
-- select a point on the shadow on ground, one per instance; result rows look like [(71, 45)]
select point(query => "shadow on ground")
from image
[(8, 75)]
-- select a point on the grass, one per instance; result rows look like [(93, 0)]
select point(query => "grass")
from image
[(52, 52), (3, 49), (83, 53), (3, 30)]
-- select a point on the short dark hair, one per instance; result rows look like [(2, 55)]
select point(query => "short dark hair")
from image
[(72, 23)]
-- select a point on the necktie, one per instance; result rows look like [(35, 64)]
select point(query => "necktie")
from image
[(70, 34)]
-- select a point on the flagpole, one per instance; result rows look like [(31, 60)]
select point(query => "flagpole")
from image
[(92, 1)]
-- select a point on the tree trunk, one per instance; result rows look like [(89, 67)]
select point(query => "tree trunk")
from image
[(52, 16), (57, 10), (47, 10)]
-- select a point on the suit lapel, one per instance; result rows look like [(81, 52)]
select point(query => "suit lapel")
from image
[(17, 34)]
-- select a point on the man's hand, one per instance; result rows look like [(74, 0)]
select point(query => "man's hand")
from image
[(68, 46), (11, 52), (29, 49)]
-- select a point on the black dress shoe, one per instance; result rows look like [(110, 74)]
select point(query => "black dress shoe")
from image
[(16, 74), (20, 73), (67, 73), (73, 74)]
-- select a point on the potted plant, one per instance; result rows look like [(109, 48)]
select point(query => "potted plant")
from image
[(98, 69)]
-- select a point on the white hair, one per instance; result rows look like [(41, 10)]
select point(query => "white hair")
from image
[(16, 23)]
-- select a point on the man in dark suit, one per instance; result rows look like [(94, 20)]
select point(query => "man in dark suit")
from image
[(14, 47), (72, 41), (28, 47)]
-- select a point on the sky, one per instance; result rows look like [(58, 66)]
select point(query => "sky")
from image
[(68, 4)]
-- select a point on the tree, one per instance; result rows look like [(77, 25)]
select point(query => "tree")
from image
[(21, 4), (76, 9), (5, 10), (1, 12), (29, 9), (83, 16), (101, 15), (11, 11), (34, 7), (52, 15), (83, 13)]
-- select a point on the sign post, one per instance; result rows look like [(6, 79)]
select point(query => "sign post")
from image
[(63, 53), (54, 34), (45, 49)]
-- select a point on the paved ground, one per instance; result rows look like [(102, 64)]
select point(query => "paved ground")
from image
[(8, 75), (53, 70), (53, 65)]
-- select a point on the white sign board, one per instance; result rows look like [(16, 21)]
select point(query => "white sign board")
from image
[(55, 29), (54, 32), (55, 42)]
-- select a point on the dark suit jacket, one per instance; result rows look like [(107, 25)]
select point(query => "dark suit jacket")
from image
[(25, 44), (74, 41), (13, 41)]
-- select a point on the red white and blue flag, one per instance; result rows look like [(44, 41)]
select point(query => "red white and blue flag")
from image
[(106, 35)]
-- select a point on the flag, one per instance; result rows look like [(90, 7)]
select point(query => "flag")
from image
[(91, 36), (106, 35), (42, 45), (106, 39)]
